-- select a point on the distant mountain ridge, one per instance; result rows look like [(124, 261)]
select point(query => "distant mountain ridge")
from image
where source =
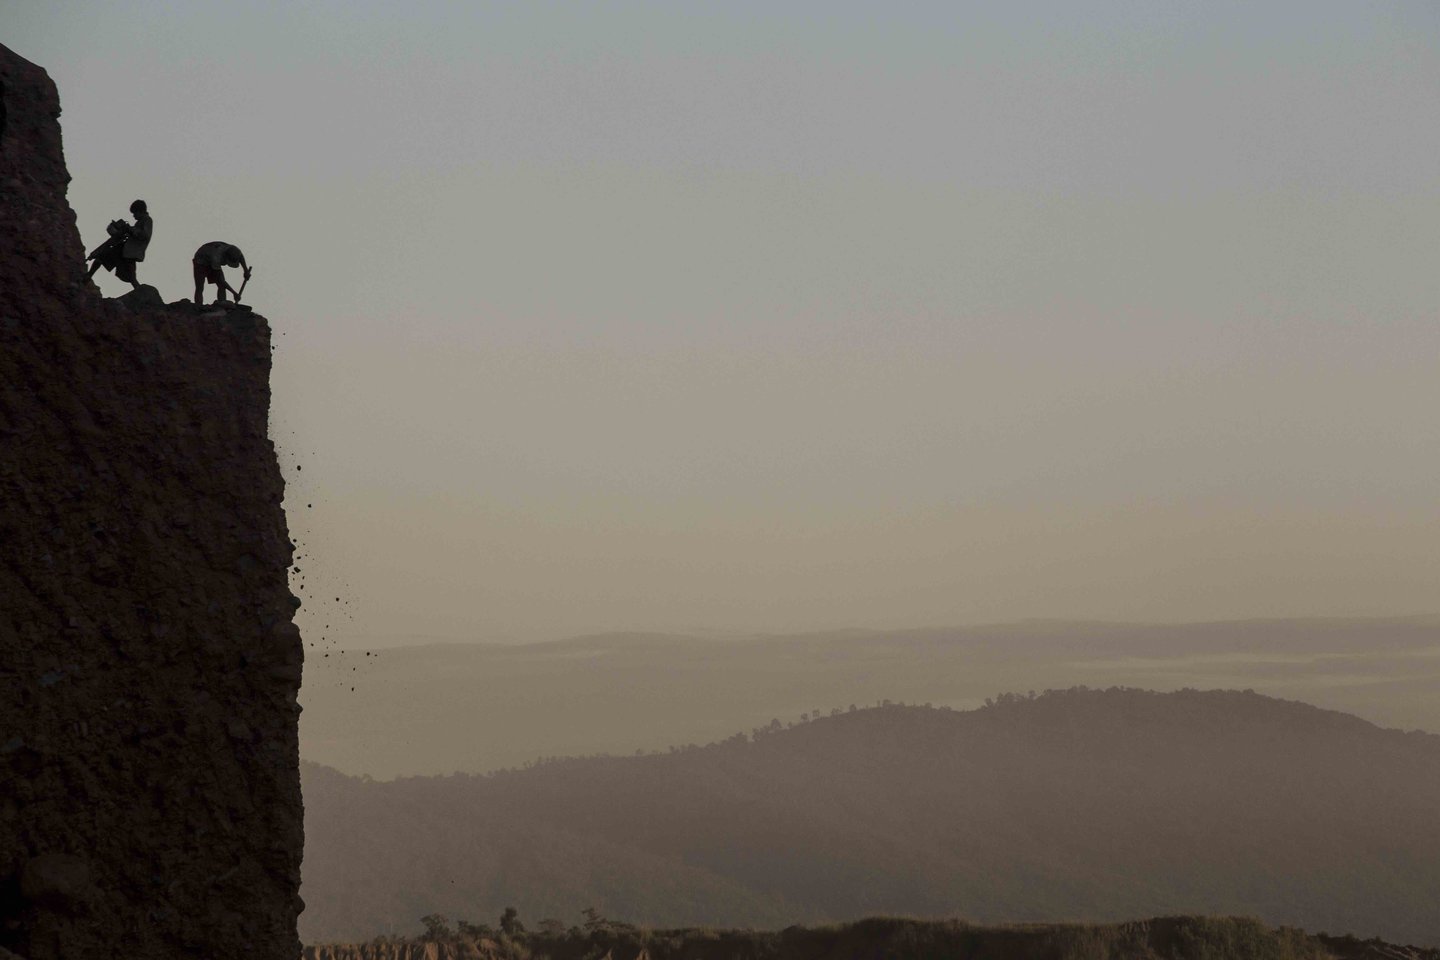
[(439, 708), (1072, 805)]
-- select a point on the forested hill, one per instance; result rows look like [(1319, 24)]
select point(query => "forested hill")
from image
[(1072, 805)]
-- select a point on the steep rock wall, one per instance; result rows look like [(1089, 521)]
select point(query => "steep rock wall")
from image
[(148, 662)]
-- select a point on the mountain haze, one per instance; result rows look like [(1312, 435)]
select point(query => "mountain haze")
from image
[(475, 707), (1082, 805)]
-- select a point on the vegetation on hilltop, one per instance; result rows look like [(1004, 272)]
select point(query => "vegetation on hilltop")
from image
[(1163, 938)]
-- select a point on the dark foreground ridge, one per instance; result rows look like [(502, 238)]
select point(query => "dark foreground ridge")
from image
[(1164, 938), (148, 662)]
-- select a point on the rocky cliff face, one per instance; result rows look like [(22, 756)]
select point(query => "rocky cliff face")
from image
[(148, 662)]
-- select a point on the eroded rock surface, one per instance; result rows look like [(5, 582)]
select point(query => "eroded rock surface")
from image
[(148, 662)]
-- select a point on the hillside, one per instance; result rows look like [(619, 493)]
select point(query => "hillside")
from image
[(1076, 805), (439, 708)]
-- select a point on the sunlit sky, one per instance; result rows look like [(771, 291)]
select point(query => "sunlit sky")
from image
[(789, 316)]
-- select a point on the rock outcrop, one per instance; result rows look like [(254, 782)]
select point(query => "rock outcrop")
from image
[(148, 663)]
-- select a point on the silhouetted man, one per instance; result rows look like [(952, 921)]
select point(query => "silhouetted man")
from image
[(126, 246), (208, 261)]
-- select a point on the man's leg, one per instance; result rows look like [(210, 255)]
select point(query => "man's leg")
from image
[(199, 283)]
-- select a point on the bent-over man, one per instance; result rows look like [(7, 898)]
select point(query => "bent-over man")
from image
[(207, 262)]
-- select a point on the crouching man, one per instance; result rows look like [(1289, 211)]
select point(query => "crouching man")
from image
[(209, 260)]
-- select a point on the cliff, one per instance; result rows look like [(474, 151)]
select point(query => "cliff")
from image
[(148, 662)]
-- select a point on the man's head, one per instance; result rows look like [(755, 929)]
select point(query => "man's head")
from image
[(138, 208), (232, 256)]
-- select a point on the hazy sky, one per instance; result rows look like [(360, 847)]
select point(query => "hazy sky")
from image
[(764, 316)]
